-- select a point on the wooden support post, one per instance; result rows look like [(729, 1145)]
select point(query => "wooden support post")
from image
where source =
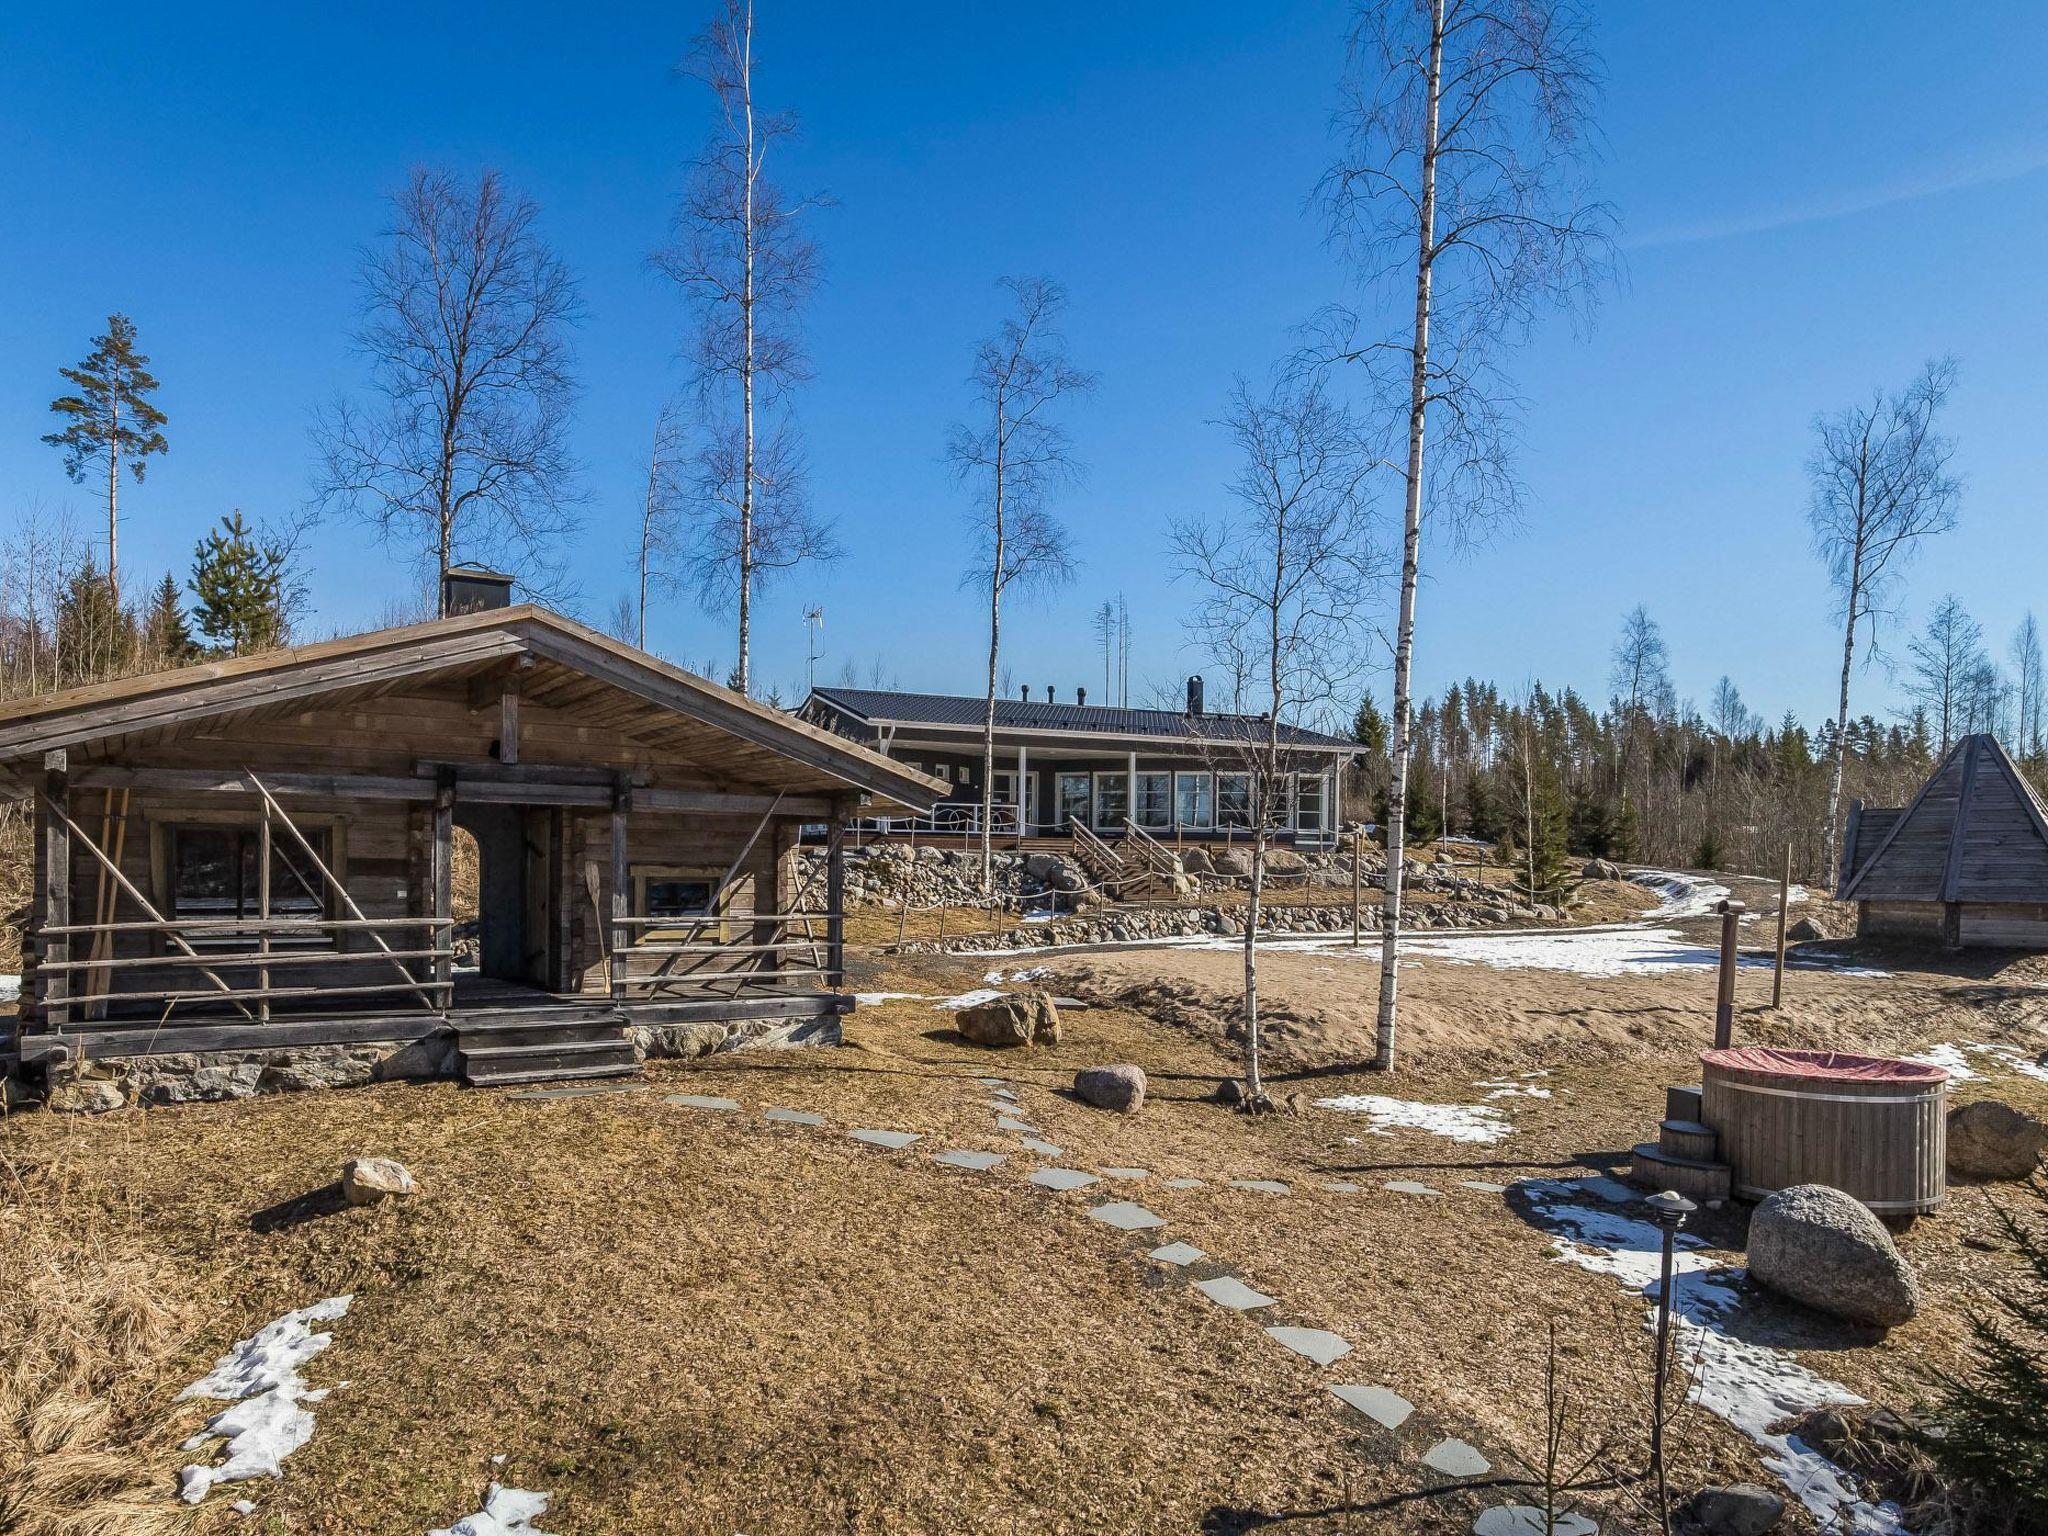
[(835, 900), (1357, 883), (622, 937), (1724, 1002), (1023, 794), (55, 985), (263, 912), (443, 859), (1784, 909), (508, 720)]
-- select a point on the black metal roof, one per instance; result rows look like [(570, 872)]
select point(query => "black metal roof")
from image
[(881, 706)]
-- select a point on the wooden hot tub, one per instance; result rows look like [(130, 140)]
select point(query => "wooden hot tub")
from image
[(1871, 1126)]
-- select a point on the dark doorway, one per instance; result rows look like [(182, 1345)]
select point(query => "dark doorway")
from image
[(515, 855)]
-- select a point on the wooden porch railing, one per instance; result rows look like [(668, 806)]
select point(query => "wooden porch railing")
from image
[(690, 962)]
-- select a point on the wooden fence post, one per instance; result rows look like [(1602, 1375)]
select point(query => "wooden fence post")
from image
[(1784, 906), (835, 899), (622, 935), (444, 887)]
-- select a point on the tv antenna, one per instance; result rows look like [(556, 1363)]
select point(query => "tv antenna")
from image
[(814, 620)]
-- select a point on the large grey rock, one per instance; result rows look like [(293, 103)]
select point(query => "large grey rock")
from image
[(1018, 1018), (366, 1180), (87, 1095), (1990, 1140), (1739, 1509), (1232, 861), (1823, 1248), (1196, 862), (1805, 931), (1120, 1087), (1601, 869)]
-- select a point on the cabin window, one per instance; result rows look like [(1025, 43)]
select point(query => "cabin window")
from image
[(1233, 800), (1155, 800), (216, 873), (1074, 799), (1308, 803), (1112, 801), (1194, 800), (679, 897)]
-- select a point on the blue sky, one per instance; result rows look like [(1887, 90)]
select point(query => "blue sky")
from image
[(1815, 199)]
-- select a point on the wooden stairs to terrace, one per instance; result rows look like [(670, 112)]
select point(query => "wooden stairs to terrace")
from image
[(552, 1042)]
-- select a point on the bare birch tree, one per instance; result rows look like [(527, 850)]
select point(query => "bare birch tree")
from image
[(1285, 582), (1880, 485), (1012, 457), (660, 510), (466, 318), (2026, 685), (1641, 681), (1461, 190), (745, 266)]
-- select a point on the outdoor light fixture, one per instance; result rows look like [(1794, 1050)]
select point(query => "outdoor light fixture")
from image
[(1669, 1211)]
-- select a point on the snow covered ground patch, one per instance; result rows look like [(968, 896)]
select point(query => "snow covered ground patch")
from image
[(1955, 1059), (268, 1419), (1600, 952), (506, 1512), (1523, 1087), (972, 999), (1683, 895), (1029, 973), (1751, 1386), (1455, 1122)]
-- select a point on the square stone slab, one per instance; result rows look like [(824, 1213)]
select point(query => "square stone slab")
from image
[(1043, 1148), (1527, 1520), (896, 1140), (1483, 1187), (1012, 1123), (1262, 1186), (1317, 1344), (1390, 1410), (1177, 1253), (1613, 1191), (991, 1082), (1063, 1178), (702, 1101), (1127, 1216), (1410, 1187), (1454, 1458), (979, 1162), (1229, 1291), (1186, 1184), (793, 1117), (1007, 1095), (1342, 1187), (1127, 1173)]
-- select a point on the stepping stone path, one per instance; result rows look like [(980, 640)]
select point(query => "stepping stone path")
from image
[(1527, 1520), (702, 1101), (1063, 1178), (1343, 1188), (1127, 1216), (1454, 1458), (1410, 1187), (894, 1140), (1127, 1173), (1229, 1291), (793, 1117), (1317, 1344), (583, 1092), (1177, 1253), (1262, 1186), (1186, 1184), (1012, 1123), (1043, 1148), (1387, 1409), (976, 1162), (1484, 1188)]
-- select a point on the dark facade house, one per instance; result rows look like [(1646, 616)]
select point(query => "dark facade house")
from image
[(256, 854), (1175, 775), (1965, 865)]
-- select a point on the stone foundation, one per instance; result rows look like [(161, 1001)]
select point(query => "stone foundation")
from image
[(688, 1041)]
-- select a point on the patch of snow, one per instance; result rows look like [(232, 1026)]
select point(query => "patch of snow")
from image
[(1949, 1058), (1455, 1122), (1511, 1088), (1029, 973), (260, 1377), (1684, 895), (506, 1512), (1601, 952), (1751, 1386), (972, 999), (2009, 1057)]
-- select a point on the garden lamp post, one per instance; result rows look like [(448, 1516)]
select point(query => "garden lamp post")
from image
[(1669, 1211)]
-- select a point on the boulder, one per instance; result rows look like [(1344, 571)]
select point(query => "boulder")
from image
[(1990, 1140), (1823, 1248), (1283, 861), (1233, 861), (1196, 862), (1805, 931), (87, 1095), (1018, 1018), (366, 1180), (1120, 1087), (1601, 869), (1230, 1091), (1739, 1509)]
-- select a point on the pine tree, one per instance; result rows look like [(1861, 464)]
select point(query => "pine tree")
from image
[(111, 415), (95, 635), (1993, 1426), (166, 637), (240, 586)]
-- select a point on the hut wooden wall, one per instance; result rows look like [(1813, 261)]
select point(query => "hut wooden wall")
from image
[(2010, 925), (1919, 920)]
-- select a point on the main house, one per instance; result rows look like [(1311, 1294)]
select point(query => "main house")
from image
[(257, 855), (1171, 774)]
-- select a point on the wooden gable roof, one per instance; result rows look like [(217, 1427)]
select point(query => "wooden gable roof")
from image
[(564, 666), (1976, 832)]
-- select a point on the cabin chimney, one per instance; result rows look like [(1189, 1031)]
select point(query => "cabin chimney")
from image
[(1081, 696), (1049, 694), (1024, 692), (1194, 695), (466, 589)]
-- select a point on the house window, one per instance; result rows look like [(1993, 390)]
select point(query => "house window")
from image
[(1194, 800), (216, 873), (1112, 801), (1155, 800), (679, 895), (1233, 800), (1074, 799), (1005, 798), (1308, 802)]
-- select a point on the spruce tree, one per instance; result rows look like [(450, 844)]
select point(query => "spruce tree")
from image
[(239, 583), (166, 637), (110, 416), (95, 635)]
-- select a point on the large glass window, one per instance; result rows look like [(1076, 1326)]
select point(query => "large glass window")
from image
[(1194, 800), (1074, 799), (1308, 803), (1155, 800), (679, 895), (216, 872), (1112, 801), (1233, 800)]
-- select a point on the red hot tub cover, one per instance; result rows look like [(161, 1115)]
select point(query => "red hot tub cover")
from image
[(1829, 1066)]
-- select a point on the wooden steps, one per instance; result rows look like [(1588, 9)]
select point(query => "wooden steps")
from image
[(507, 1046), (1685, 1155)]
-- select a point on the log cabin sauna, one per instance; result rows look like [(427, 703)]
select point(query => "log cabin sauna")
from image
[(245, 866)]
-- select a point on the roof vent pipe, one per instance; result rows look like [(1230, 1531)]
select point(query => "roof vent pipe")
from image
[(1194, 695), (1024, 693), (1081, 696), (1048, 693)]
